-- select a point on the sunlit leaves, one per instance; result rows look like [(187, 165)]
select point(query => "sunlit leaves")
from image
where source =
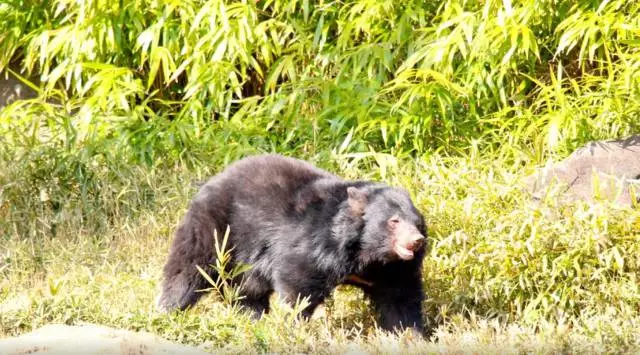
[(596, 31), (434, 75)]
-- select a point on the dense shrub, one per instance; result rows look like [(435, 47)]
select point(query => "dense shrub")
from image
[(397, 76)]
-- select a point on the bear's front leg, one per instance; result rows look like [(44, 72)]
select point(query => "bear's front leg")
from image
[(398, 309), (296, 282), (397, 296)]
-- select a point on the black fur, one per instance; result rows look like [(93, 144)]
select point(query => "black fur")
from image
[(302, 234)]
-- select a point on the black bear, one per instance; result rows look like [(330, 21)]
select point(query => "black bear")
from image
[(304, 231)]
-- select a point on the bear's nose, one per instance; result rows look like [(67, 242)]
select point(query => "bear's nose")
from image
[(415, 242)]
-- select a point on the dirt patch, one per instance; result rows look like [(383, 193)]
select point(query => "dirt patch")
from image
[(90, 339)]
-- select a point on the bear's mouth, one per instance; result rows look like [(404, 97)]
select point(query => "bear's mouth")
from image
[(403, 253)]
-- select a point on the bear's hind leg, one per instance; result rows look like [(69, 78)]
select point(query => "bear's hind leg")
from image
[(193, 245)]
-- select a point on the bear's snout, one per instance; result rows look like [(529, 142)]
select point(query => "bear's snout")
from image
[(407, 240), (415, 242)]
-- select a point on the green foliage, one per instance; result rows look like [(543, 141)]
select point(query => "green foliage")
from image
[(403, 76), (225, 273), (500, 255)]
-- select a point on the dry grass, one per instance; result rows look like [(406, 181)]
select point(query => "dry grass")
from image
[(502, 275)]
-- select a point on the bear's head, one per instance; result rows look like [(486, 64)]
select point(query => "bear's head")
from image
[(393, 228)]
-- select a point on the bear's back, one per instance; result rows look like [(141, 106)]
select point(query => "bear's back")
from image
[(263, 175), (267, 183)]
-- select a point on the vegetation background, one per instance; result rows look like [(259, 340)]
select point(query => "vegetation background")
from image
[(455, 100)]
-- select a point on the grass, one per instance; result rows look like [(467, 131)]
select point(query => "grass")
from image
[(503, 274)]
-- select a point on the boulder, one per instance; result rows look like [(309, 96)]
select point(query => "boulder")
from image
[(603, 169), (90, 339)]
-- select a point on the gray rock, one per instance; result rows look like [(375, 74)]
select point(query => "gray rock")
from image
[(90, 339), (607, 169)]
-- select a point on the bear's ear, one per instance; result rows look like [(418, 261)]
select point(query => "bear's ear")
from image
[(357, 200)]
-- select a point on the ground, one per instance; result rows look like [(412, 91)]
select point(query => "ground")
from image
[(502, 274)]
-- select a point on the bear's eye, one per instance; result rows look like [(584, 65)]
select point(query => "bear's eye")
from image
[(394, 220)]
